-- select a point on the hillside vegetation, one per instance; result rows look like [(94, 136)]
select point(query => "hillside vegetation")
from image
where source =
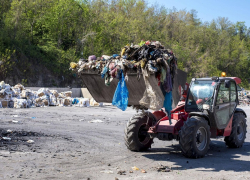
[(44, 36)]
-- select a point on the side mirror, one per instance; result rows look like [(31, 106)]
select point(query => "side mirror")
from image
[(227, 83)]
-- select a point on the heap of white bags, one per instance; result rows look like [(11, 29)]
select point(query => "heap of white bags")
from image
[(19, 97)]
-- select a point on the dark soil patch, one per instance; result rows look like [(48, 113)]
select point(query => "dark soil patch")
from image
[(15, 140)]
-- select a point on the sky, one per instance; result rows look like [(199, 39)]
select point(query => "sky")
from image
[(207, 10)]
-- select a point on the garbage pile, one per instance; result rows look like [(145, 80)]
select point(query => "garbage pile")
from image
[(19, 97), (244, 97), (146, 58)]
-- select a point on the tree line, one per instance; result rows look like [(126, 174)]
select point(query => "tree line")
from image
[(53, 33)]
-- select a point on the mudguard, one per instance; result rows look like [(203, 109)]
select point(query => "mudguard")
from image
[(240, 110), (200, 114), (151, 118)]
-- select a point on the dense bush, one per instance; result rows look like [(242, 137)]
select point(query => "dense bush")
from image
[(54, 33)]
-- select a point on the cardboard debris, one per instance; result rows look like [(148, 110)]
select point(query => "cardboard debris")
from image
[(67, 102), (61, 95), (55, 93), (45, 102), (24, 94), (19, 86), (68, 94), (5, 103), (40, 94), (2, 95)]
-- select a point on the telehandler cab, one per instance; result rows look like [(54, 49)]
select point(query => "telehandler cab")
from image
[(209, 111)]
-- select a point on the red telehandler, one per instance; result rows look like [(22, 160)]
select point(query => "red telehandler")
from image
[(208, 111)]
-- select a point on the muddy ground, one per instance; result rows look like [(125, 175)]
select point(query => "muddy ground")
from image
[(62, 143)]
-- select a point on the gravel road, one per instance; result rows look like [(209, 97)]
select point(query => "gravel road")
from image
[(87, 144)]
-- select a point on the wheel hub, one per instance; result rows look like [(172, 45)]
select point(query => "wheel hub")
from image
[(240, 131), (143, 134), (201, 138)]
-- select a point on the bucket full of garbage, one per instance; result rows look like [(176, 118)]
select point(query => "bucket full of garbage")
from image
[(140, 75)]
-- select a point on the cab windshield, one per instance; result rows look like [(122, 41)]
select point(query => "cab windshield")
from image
[(200, 92)]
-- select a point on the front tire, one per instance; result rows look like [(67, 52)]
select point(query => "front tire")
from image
[(195, 137), (136, 135), (238, 133)]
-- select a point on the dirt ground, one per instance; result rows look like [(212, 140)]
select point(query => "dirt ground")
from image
[(62, 143)]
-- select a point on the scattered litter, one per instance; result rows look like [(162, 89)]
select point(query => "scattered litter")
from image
[(15, 116), (101, 104), (93, 102), (14, 121), (33, 117), (143, 171), (96, 121), (135, 168), (4, 153), (131, 171), (107, 172), (9, 131), (121, 172), (163, 169), (81, 120), (30, 141), (6, 138)]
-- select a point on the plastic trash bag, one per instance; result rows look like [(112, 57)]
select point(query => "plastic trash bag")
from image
[(123, 51), (120, 98), (104, 71), (115, 55), (168, 102), (21, 103), (84, 102), (151, 99), (92, 58), (142, 43), (75, 101), (73, 65), (167, 84), (2, 85)]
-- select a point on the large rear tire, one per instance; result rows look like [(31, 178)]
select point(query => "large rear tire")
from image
[(136, 135), (238, 133), (195, 137)]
